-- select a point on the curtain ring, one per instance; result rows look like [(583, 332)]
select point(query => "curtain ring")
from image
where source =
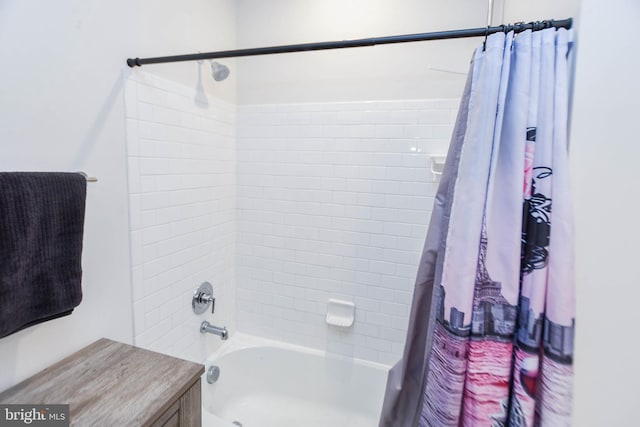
[(504, 29), (486, 34), (518, 27)]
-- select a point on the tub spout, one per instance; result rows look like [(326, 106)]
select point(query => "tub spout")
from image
[(208, 327)]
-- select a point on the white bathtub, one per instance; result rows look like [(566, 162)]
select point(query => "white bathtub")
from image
[(266, 383)]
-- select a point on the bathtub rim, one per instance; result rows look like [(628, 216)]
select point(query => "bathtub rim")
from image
[(241, 341)]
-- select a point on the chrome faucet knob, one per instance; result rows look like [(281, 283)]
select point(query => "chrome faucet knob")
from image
[(202, 297)]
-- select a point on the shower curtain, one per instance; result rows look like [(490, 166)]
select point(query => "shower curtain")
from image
[(490, 339)]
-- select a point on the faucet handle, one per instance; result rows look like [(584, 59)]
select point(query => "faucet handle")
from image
[(202, 297)]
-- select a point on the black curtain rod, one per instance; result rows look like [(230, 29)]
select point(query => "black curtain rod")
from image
[(439, 35)]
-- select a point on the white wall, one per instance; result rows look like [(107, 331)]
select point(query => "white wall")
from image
[(334, 200), (604, 153), (370, 73), (62, 106), (172, 28), (181, 148), (527, 10)]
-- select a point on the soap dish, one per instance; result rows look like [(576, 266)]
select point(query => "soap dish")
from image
[(437, 164), (340, 313)]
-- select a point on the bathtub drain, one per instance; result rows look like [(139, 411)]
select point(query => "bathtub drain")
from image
[(237, 423)]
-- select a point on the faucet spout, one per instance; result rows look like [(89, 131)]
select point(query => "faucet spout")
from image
[(207, 327)]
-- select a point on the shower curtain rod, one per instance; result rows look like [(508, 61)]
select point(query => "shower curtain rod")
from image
[(439, 35)]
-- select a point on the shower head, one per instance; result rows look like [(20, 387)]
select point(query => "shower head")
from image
[(219, 71)]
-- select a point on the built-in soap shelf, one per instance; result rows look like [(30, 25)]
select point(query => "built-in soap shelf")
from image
[(340, 313), (437, 163)]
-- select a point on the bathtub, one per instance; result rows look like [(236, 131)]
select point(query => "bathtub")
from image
[(265, 383)]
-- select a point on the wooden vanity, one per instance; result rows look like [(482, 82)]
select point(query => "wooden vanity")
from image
[(113, 384)]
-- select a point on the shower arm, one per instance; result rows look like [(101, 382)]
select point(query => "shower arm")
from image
[(306, 47)]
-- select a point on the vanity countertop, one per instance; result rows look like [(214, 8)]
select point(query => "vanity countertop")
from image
[(116, 384)]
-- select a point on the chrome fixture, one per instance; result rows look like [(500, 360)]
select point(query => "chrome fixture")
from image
[(202, 297), (213, 373), (207, 327), (219, 71), (88, 178)]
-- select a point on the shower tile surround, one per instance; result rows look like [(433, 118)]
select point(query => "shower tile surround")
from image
[(334, 201), (182, 195), (281, 209)]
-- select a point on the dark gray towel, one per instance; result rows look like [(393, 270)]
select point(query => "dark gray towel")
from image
[(41, 225)]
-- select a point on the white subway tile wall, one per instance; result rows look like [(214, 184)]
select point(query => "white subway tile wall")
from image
[(333, 201), (182, 193), (307, 202)]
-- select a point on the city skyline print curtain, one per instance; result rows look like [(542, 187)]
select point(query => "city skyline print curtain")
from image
[(490, 338)]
